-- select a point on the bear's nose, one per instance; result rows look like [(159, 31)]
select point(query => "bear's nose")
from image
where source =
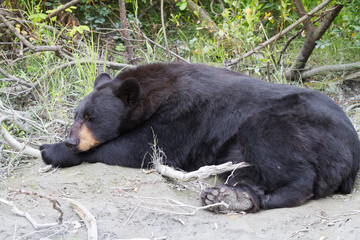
[(71, 143)]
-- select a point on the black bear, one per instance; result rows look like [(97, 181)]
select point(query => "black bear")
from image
[(299, 142)]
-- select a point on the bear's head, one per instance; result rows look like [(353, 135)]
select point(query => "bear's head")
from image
[(101, 116)]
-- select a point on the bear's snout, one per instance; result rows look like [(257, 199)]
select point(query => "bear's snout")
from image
[(71, 144)]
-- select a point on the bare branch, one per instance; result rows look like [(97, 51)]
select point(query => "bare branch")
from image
[(274, 38), (66, 6), (158, 45)]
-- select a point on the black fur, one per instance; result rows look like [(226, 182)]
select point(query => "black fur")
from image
[(299, 142)]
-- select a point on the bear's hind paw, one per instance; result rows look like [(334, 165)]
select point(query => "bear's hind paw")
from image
[(233, 199)]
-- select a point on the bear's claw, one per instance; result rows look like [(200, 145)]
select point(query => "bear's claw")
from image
[(235, 200)]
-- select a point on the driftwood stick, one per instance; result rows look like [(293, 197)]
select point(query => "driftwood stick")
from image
[(87, 217)]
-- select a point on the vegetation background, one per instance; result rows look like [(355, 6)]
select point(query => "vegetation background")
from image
[(52, 50), (50, 54)]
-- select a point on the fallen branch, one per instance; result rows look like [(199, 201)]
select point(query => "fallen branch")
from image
[(274, 38), (201, 173), (87, 217), (330, 68), (36, 225), (23, 148)]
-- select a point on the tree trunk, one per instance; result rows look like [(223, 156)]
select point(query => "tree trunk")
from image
[(309, 45), (129, 54)]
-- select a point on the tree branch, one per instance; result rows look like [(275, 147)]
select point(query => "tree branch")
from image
[(57, 11), (274, 38), (310, 43)]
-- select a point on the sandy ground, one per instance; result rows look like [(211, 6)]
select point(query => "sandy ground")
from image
[(129, 203)]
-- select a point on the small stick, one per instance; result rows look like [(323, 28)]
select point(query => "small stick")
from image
[(87, 217)]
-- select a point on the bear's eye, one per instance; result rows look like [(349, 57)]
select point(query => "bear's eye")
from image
[(86, 117)]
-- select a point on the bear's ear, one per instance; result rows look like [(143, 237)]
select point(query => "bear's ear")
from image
[(102, 78), (128, 91)]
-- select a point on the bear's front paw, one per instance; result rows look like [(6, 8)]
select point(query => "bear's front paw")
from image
[(46, 153), (58, 155), (234, 199)]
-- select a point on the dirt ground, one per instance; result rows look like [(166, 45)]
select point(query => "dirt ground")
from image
[(130, 203)]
